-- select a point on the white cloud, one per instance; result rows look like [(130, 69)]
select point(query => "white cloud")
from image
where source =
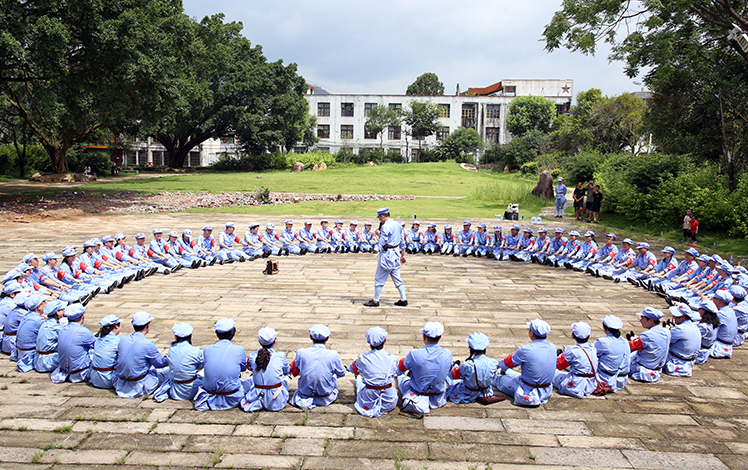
[(381, 47)]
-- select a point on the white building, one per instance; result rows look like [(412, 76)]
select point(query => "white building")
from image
[(150, 152), (341, 118)]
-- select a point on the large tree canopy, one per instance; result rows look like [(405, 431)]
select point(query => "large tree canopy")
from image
[(696, 69), (423, 119), (380, 118), (220, 84), (426, 84), (528, 113), (69, 68)]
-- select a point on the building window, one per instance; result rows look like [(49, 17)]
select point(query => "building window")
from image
[(132, 158), (492, 134), (194, 159), (158, 159), (323, 149), (444, 111), (323, 109), (227, 140), (346, 132), (414, 153), (397, 151), (492, 111), (369, 134), (510, 90), (393, 133), (442, 133), (346, 109), (398, 107), (323, 131), (368, 107), (468, 111)]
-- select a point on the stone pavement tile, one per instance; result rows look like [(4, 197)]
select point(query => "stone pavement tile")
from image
[(160, 415), (184, 428), (314, 432), (398, 434), (258, 461), (478, 452), (303, 446), (720, 393), (342, 463), (737, 447), (504, 412), (651, 419), (594, 442), (41, 439), (674, 460), (734, 462), (29, 411), (232, 416), (107, 456), (690, 432), (576, 456), (253, 430), (112, 427), (178, 404), (510, 439), (31, 400), (614, 429), (695, 443), (530, 426), (110, 401), (17, 454), (540, 413), (169, 459), (462, 423), (25, 466), (638, 406), (657, 389), (107, 413), (736, 408), (30, 424), (233, 444), (138, 442), (556, 403), (359, 448)]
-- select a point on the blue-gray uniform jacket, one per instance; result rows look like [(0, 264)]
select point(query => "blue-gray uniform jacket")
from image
[(533, 386), (136, 355), (73, 346), (222, 385), (375, 394), (47, 358), (685, 340), (557, 244), (613, 361), (512, 240), (11, 329), (390, 243), (318, 369), (650, 349), (429, 368), (728, 325), (269, 390), (581, 362), (185, 361), (606, 253), (28, 330), (473, 379), (104, 361)]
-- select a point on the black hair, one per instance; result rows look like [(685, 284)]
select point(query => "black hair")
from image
[(319, 341), (476, 352), (539, 337), (263, 358), (105, 330), (229, 335), (140, 327), (433, 340), (580, 340), (614, 332), (180, 339), (710, 318)]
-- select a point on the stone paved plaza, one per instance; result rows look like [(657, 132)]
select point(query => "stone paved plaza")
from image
[(696, 423)]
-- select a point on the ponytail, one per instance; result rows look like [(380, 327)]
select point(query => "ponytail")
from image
[(263, 359)]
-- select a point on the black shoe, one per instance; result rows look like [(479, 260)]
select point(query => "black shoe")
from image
[(617, 280), (401, 303), (588, 270), (86, 300), (265, 254), (578, 269), (501, 257), (303, 251), (632, 281), (286, 253), (242, 259), (555, 264), (212, 262), (606, 277), (669, 301), (371, 303), (663, 295)]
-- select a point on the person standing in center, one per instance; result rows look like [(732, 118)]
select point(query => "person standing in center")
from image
[(391, 257), (560, 191)]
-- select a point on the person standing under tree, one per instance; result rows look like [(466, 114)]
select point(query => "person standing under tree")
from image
[(578, 196), (391, 257), (687, 226), (560, 191), (693, 229)]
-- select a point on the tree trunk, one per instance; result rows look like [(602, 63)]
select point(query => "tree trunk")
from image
[(58, 156)]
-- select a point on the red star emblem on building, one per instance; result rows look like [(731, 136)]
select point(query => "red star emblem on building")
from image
[(565, 89)]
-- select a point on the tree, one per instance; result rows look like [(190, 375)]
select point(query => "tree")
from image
[(616, 123), (423, 119), (380, 119), (460, 144), (15, 131), (695, 68), (426, 84), (571, 131), (71, 68), (530, 112)]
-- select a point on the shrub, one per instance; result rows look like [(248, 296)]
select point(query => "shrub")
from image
[(345, 156), (267, 161), (228, 163), (555, 173), (99, 162), (394, 157), (529, 168), (582, 166), (310, 159)]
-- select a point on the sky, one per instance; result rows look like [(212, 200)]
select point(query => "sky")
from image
[(382, 46)]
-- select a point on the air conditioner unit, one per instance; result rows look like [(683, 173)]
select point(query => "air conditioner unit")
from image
[(740, 37)]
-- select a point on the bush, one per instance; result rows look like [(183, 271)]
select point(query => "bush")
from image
[(310, 159), (100, 162), (268, 161), (229, 163), (529, 168), (345, 156), (427, 155), (394, 157), (555, 173), (582, 166), (366, 155)]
